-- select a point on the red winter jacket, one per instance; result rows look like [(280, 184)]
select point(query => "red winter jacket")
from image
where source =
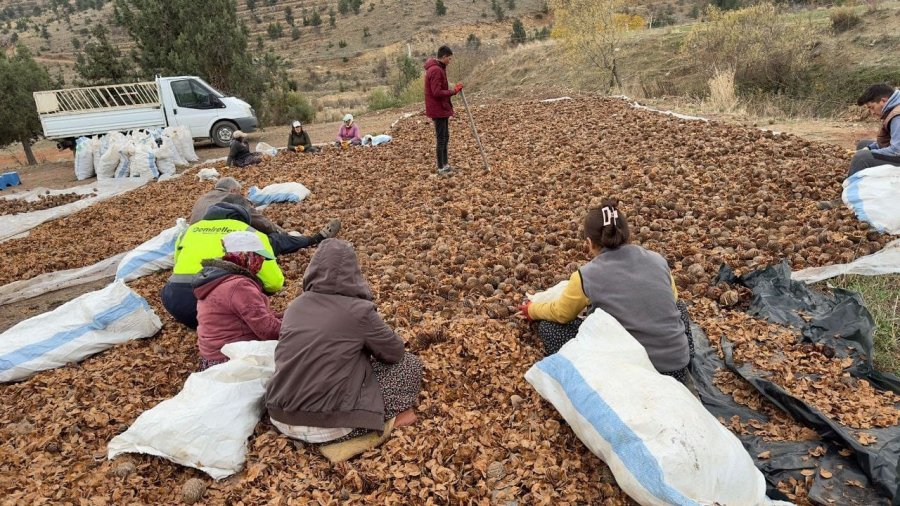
[(437, 91), (231, 307)]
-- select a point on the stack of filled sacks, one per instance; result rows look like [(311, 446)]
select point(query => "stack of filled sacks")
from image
[(151, 154)]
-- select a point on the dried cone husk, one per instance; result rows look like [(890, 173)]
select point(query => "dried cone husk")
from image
[(448, 259)]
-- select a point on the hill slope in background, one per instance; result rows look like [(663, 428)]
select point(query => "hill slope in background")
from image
[(345, 61)]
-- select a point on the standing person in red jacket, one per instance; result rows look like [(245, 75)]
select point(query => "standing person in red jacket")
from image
[(438, 106), (231, 305)]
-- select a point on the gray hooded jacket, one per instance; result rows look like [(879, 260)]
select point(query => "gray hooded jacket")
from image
[(323, 377)]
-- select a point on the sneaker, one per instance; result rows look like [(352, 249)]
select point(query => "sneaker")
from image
[(331, 230), (445, 170)]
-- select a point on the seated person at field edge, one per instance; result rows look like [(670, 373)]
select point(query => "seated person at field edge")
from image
[(231, 305), (882, 101), (298, 139), (349, 132), (239, 154), (340, 371)]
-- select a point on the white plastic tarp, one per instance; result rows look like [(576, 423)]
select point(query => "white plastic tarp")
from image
[(278, 192), (151, 256), (207, 424), (661, 444), (885, 261), (11, 226), (53, 281), (78, 329), (874, 195)]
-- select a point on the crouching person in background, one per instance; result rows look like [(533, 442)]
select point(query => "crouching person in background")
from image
[(231, 304), (340, 371)]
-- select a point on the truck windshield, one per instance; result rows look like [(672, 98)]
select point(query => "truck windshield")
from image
[(211, 89), (194, 95)]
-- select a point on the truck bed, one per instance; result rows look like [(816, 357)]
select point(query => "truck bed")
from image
[(72, 124)]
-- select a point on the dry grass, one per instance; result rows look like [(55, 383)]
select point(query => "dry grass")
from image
[(881, 295), (722, 95)]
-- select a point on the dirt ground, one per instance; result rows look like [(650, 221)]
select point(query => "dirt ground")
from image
[(56, 169)]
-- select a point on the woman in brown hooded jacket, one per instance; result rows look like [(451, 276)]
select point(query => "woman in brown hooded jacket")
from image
[(340, 371)]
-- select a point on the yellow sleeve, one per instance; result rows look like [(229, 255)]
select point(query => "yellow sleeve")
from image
[(566, 307), (270, 274), (674, 288)]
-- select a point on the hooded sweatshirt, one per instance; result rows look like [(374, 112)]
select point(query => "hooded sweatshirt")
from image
[(231, 307), (323, 377), (203, 240), (437, 91), (888, 142)]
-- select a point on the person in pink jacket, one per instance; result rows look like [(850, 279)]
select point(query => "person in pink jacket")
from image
[(231, 304), (349, 132)]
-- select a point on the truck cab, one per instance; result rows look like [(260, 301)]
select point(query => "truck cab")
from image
[(190, 101)]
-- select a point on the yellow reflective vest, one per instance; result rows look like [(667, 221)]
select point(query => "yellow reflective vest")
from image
[(203, 240)]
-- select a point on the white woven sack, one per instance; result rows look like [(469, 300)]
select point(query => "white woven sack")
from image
[(207, 424), (164, 161), (168, 143), (153, 255), (78, 329), (266, 149), (278, 192), (661, 444), (874, 195), (84, 159)]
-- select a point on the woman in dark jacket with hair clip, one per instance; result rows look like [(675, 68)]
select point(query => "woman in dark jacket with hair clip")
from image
[(630, 283)]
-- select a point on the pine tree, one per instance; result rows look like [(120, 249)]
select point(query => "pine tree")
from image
[(102, 62), (213, 47), (519, 36), (439, 8), (20, 76)]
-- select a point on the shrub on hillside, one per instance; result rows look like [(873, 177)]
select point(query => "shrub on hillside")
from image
[(382, 99), (518, 35), (843, 19), (767, 51), (282, 106)]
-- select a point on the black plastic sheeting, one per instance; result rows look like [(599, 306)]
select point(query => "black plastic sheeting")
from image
[(849, 485), (841, 322)]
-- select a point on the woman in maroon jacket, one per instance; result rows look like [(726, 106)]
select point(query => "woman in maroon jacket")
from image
[(340, 371), (231, 304)]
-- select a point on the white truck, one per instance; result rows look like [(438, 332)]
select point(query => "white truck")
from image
[(168, 101)]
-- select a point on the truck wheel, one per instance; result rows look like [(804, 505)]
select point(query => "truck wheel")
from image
[(221, 133)]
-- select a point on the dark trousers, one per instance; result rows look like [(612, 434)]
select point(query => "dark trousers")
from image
[(282, 244), (863, 159), (442, 136), (554, 335), (180, 302)]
